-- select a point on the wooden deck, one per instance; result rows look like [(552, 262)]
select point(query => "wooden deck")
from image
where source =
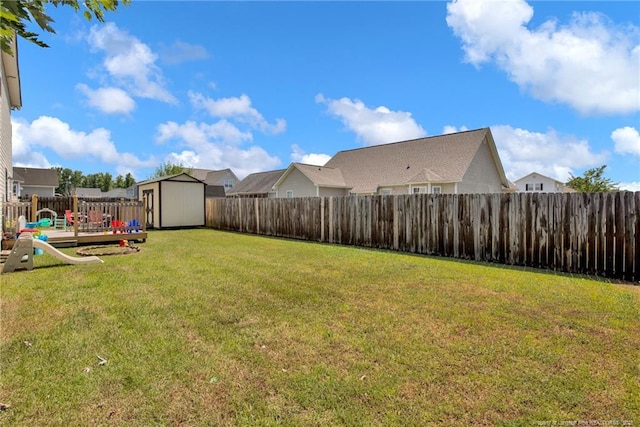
[(60, 239), (95, 221)]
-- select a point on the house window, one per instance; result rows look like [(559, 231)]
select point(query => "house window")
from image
[(289, 194), (533, 187), (538, 187), (436, 189), (228, 183), (386, 191), (417, 190)]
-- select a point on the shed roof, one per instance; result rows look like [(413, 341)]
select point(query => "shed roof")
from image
[(179, 177)]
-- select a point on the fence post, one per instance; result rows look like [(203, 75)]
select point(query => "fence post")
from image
[(322, 219), (255, 204), (396, 235), (34, 207), (331, 233), (77, 215)]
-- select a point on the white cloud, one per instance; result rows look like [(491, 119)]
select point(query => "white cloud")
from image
[(32, 140), (238, 109), (180, 52), (453, 129), (130, 62), (195, 134), (629, 186), (626, 140), (298, 155), (109, 100), (589, 63), (523, 152), (373, 126), (215, 146)]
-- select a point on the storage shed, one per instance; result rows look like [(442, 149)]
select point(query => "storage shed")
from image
[(173, 201)]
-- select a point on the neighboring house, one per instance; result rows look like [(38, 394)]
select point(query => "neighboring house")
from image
[(456, 163), (42, 182), (538, 183), (214, 179), (10, 99), (257, 185), (302, 180)]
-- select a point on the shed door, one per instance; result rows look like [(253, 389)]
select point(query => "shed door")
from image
[(148, 195)]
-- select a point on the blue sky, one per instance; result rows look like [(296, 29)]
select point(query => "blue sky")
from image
[(254, 86)]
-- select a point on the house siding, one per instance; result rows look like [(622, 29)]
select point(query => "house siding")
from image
[(297, 182), (230, 177), (329, 192), (38, 190), (400, 189), (482, 175), (5, 137), (548, 185)]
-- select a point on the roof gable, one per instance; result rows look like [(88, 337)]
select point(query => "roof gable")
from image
[(213, 177), (257, 183), (537, 174), (321, 176), (179, 177), (443, 158)]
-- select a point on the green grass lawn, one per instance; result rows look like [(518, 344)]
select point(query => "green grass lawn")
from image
[(210, 328)]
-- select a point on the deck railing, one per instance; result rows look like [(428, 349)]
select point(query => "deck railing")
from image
[(84, 217), (9, 215), (99, 217)]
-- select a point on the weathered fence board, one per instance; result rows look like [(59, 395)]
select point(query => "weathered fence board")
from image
[(595, 233)]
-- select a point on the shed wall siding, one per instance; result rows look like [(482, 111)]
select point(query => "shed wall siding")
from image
[(182, 204), (156, 200)]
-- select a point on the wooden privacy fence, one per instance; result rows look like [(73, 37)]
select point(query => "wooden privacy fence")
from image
[(587, 233)]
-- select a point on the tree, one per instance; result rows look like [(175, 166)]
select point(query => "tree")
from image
[(169, 168), (129, 180), (592, 181), (15, 14)]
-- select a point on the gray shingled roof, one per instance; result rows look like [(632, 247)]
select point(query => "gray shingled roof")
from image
[(172, 178), (443, 158), (91, 193), (37, 177), (257, 183), (322, 175), (211, 177)]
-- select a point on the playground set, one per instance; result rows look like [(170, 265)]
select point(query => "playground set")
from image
[(31, 241), (73, 222), (21, 255)]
